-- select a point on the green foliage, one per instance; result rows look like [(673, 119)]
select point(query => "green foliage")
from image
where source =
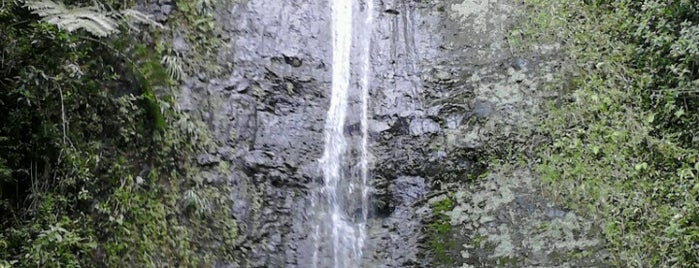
[(623, 137), (193, 21), (94, 160), (439, 233), (95, 19), (58, 245)]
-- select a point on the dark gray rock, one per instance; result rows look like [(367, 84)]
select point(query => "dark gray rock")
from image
[(430, 61), (378, 126), (267, 116), (423, 126), (519, 63), (407, 189), (483, 108), (208, 159)]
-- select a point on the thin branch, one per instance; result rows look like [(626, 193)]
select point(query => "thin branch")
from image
[(63, 115)]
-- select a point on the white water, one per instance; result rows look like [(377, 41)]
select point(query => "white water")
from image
[(340, 234), (364, 162)]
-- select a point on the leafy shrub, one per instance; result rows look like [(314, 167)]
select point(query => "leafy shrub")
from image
[(93, 157), (624, 141)]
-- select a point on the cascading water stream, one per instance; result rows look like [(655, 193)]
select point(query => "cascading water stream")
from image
[(364, 162), (341, 230)]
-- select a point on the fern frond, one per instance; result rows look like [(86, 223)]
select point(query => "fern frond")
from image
[(174, 66), (198, 203), (135, 16), (43, 6), (92, 20)]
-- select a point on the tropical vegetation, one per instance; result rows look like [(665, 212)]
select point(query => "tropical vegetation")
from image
[(96, 163), (624, 131)]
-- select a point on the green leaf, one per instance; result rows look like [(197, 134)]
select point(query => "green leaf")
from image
[(184, 8), (679, 113), (641, 166), (70, 19)]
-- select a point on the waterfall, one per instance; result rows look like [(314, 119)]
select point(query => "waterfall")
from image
[(364, 162), (341, 230)]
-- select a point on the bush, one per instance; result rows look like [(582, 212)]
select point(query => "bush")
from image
[(623, 137), (94, 159)]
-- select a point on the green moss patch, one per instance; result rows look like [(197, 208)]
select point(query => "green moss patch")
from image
[(440, 235)]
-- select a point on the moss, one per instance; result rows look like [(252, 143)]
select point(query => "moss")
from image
[(441, 242), (478, 240), (194, 22), (490, 246), (508, 261)]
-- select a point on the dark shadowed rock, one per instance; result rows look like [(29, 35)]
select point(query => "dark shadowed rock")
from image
[(208, 159), (406, 190)]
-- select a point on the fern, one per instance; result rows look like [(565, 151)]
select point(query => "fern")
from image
[(91, 19), (131, 16), (174, 66), (94, 19)]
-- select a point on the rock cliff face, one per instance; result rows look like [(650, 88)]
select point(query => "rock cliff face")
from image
[(446, 92)]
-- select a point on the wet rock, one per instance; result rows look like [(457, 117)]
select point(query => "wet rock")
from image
[(483, 108), (391, 11), (267, 115), (406, 190), (519, 63), (212, 178), (395, 240), (376, 126), (208, 159), (423, 126), (293, 61), (239, 87), (555, 212), (166, 9), (442, 75), (353, 129), (256, 159), (179, 44)]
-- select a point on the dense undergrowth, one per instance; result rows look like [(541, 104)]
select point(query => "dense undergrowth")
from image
[(96, 164), (625, 131)]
